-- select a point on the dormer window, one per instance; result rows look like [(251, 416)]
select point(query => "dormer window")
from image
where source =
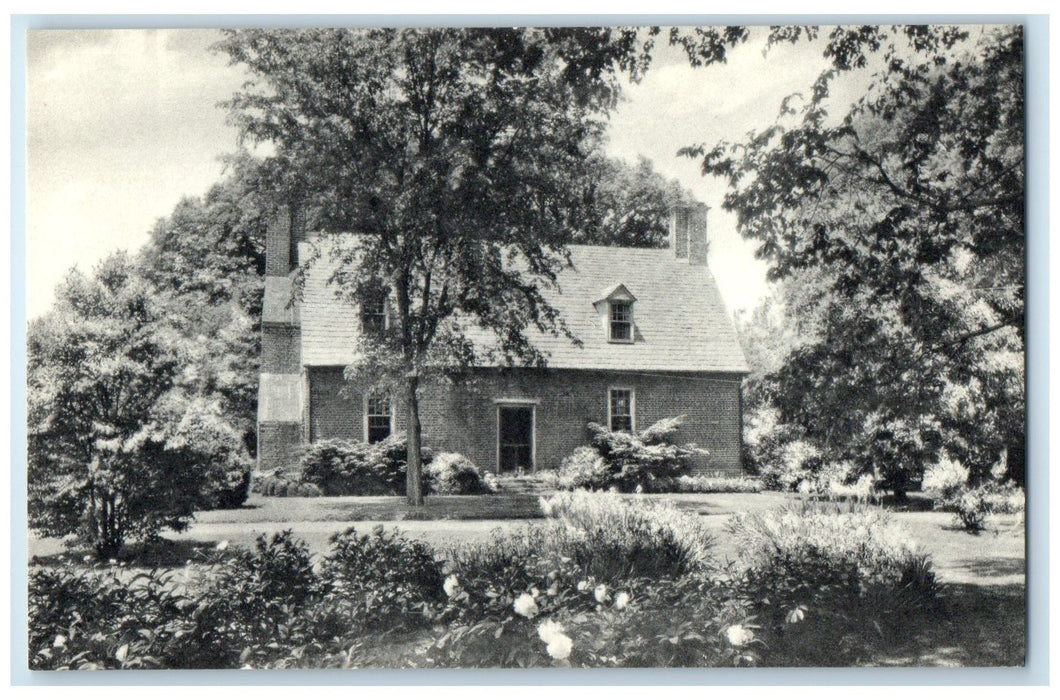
[(615, 307), (621, 322), (373, 315)]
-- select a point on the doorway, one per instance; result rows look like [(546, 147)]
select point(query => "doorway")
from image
[(515, 439)]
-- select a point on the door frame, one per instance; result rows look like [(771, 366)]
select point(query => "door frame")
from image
[(517, 403)]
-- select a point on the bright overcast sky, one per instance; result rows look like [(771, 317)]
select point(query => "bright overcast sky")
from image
[(122, 124)]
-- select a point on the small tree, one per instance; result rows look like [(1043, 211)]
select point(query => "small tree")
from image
[(112, 454)]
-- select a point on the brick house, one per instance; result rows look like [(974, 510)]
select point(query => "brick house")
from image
[(656, 342)]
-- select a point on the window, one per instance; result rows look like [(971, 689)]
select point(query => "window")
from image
[(377, 417), (373, 315), (620, 410), (621, 322)]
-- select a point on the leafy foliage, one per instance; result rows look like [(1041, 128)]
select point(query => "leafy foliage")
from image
[(628, 462), (898, 227), (451, 473), (118, 446), (827, 571), (355, 468), (386, 579)]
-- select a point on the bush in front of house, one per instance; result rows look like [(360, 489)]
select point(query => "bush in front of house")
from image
[(629, 461), (453, 474), (352, 468)]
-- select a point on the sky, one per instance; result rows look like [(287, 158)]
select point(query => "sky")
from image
[(121, 124)]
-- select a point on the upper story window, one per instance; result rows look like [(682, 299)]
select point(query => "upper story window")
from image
[(621, 321), (378, 421), (615, 307), (373, 315), (620, 410)]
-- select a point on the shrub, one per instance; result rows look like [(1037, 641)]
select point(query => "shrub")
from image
[(795, 462), (972, 507), (820, 569), (610, 539), (629, 462), (450, 473), (945, 480), (352, 468), (716, 484), (386, 579), (590, 540)]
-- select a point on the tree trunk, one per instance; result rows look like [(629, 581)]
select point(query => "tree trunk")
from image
[(414, 471)]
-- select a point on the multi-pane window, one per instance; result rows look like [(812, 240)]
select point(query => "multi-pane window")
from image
[(373, 314), (622, 321), (621, 409), (377, 410)]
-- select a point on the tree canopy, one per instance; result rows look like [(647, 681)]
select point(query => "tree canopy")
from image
[(119, 446), (460, 153), (906, 213)]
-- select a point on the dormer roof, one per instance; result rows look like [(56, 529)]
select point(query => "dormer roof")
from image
[(615, 292)]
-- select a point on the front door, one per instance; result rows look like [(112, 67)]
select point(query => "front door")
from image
[(515, 436)]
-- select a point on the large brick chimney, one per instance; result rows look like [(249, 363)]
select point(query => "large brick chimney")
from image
[(688, 233), (280, 400)]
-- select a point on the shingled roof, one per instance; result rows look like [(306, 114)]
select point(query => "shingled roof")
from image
[(680, 321)]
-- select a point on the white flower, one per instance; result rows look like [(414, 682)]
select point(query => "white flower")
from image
[(525, 605), (87, 558), (560, 647), (60, 641), (622, 600), (739, 635), (451, 585), (222, 546), (548, 630), (583, 586), (601, 593), (112, 562)]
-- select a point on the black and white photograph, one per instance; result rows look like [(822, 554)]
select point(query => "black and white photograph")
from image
[(506, 347)]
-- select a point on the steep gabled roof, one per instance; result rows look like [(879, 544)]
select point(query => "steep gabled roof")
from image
[(680, 321)]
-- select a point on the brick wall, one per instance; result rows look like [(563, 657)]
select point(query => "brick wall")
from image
[(279, 445), (463, 417), (281, 349)]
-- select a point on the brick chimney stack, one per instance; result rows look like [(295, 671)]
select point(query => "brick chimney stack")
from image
[(688, 233)]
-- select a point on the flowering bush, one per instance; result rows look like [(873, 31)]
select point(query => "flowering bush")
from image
[(972, 507), (353, 468), (454, 474), (837, 481), (610, 539), (795, 462), (822, 567), (716, 484), (629, 462), (945, 480)]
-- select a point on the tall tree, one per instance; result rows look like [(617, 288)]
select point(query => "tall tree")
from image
[(208, 259), (628, 205), (907, 212), (457, 151)]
